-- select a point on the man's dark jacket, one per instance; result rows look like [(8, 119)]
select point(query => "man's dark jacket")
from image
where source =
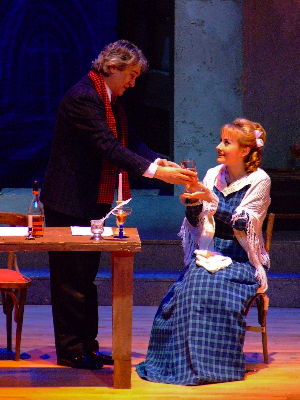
[(81, 140)]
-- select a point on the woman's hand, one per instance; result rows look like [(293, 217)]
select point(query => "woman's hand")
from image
[(194, 186), (200, 192)]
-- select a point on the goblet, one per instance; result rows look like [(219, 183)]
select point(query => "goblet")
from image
[(191, 165), (121, 216), (97, 228)]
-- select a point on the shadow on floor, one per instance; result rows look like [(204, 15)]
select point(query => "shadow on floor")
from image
[(55, 377)]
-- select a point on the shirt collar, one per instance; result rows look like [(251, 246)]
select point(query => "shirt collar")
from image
[(109, 93), (222, 185)]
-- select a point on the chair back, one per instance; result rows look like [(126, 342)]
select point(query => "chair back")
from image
[(269, 231)]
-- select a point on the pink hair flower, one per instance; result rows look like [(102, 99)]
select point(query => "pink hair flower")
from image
[(259, 142)]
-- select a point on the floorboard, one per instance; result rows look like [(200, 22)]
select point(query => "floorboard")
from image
[(37, 377)]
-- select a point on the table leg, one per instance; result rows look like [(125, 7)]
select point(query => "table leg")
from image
[(122, 283)]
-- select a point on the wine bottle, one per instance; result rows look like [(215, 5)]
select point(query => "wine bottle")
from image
[(36, 213)]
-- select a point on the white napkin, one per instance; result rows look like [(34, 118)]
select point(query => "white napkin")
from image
[(13, 231), (86, 231), (211, 260)]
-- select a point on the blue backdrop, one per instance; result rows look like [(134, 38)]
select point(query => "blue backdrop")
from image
[(45, 47)]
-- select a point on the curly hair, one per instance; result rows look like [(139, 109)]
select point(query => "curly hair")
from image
[(121, 54), (244, 129)]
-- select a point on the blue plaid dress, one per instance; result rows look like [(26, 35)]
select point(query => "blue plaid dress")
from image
[(199, 328)]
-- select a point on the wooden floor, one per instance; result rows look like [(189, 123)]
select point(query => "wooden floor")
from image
[(37, 376)]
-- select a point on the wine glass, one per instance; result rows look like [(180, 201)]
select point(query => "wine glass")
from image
[(191, 165), (121, 216), (97, 228)]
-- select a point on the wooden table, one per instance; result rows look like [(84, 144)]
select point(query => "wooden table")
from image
[(122, 250)]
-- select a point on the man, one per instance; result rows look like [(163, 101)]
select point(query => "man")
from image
[(88, 151)]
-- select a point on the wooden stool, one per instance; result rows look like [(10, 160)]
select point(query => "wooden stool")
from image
[(13, 287)]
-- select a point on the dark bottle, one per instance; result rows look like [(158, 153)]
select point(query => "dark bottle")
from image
[(36, 213)]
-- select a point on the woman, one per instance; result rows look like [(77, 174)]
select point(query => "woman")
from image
[(198, 331)]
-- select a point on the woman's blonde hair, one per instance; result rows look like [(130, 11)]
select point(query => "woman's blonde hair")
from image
[(121, 54), (248, 134)]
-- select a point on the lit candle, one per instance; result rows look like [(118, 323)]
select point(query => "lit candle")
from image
[(120, 194)]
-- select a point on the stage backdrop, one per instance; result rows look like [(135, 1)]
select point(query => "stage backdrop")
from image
[(45, 47)]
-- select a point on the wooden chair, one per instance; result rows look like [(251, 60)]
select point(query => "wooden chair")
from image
[(13, 286), (261, 299)]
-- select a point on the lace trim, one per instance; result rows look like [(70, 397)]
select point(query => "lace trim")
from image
[(209, 208), (190, 240), (254, 246), (260, 275), (222, 186)]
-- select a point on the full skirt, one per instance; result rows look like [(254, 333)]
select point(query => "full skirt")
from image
[(199, 329)]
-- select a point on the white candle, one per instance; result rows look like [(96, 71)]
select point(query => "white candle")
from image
[(120, 194)]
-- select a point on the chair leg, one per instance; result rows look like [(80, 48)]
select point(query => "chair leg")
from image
[(7, 309), (9, 326), (19, 322), (262, 308), (265, 346)]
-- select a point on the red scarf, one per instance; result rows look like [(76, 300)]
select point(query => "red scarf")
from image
[(108, 174)]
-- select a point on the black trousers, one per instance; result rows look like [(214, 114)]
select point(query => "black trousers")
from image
[(73, 292)]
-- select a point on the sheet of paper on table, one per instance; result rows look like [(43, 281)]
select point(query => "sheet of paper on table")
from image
[(76, 231), (86, 231), (13, 231)]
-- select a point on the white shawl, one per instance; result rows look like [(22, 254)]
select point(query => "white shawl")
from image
[(255, 204)]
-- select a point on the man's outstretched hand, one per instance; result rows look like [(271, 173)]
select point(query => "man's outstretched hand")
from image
[(163, 162), (175, 175)]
